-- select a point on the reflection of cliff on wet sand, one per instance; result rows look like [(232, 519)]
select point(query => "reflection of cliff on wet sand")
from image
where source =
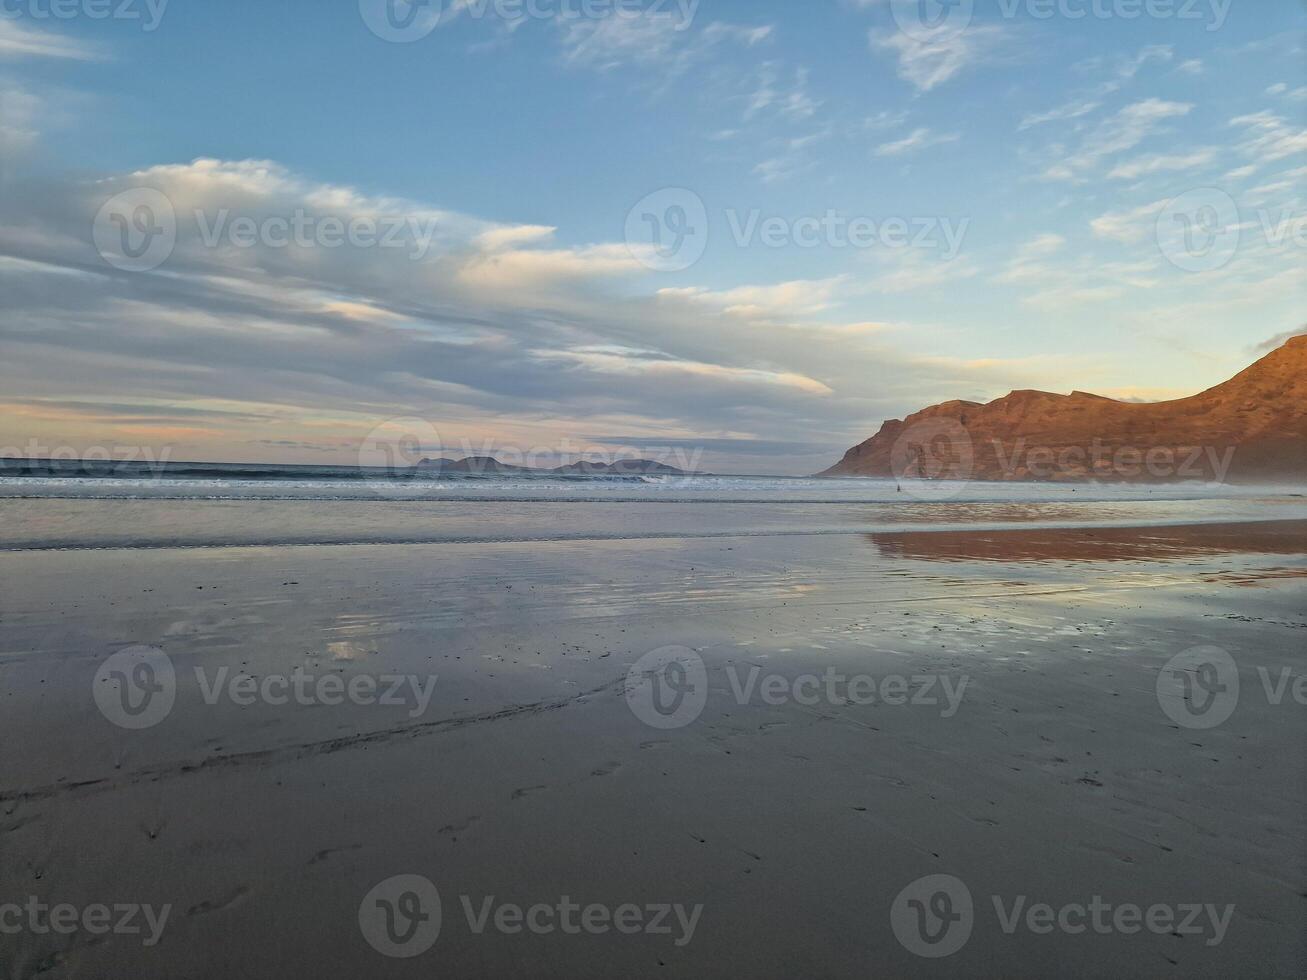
[(1097, 544)]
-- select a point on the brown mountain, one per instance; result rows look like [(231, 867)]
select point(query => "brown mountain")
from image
[(1253, 427)]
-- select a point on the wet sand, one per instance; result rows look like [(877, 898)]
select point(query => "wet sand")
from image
[(529, 777)]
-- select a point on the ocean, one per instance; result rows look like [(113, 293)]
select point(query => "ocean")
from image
[(224, 505)]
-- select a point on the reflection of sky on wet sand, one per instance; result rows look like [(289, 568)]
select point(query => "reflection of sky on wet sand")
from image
[(348, 649), (1095, 544)]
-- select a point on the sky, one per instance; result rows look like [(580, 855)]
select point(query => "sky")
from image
[(735, 233)]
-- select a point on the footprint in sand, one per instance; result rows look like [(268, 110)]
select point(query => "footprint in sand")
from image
[(458, 828), (328, 852), (218, 905)]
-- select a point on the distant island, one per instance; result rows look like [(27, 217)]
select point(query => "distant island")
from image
[(1251, 428), (489, 466)]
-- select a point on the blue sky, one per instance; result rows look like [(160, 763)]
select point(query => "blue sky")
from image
[(1030, 154)]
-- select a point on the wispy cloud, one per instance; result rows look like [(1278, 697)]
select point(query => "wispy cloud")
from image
[(648, 40), (1269, 137), (919, 139), (927, 64), (1071, 110), (18, 41), (1120, 132), (785, 94), (1161, 163)]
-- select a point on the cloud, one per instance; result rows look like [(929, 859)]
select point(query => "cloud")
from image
[(782, 300), (1122, 131), (910, 269), (627, 361), (884, 120), (1122, 69), (647, 40), (510, 236), (19, 42), (19, 111), (927, 64), (774, 93), (498, 331), (919, 139), (1268, 137), (1130, 225), (1071, 110), (1161, 163)]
